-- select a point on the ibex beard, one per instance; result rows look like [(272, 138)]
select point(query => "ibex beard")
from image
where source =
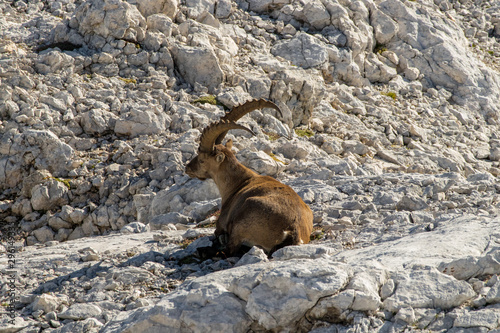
[(255, 210)]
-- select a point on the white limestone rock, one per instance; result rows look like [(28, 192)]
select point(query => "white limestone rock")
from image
[(48, 151), (261, 162), (427, 288), (49, 195), (152, 7), (333, 308), (385, 28), (303, 50), (123, 20), (316, 14), (377, 71), (253, 256), (54, 61), (493, 295), (142, 122), (287, 290), (436, 53), (307, 251), (47, 303), (198, 64), (178, 197), (80, 311), (287, 293), (162, 221), (223, 9), (161, 23), (98, 121), (489, 318)]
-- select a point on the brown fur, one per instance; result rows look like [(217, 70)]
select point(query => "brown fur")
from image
[(256, 210)]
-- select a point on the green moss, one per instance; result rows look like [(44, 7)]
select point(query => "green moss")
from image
[(304, 132), (491, 52), (134, 81), (390, 94), (208, 99)]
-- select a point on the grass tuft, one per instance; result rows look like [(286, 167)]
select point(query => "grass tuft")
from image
[(390, 94), (208, 99), (134, 81), (304, 132)]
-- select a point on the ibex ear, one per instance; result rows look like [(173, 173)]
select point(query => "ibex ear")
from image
[(229, 144), (220, 157)]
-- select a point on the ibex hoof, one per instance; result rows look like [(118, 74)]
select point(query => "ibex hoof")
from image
[(223, 239)]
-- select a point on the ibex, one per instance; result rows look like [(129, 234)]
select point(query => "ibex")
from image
[(256, 210)]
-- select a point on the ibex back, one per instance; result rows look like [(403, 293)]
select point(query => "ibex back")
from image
[(256, 210)]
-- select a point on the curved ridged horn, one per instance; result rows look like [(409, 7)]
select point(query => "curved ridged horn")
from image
[(213, 131), (239, 111)]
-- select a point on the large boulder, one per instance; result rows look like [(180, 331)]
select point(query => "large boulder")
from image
[(110, 18), (198, 65)]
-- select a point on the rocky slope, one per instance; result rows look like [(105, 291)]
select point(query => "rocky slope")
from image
[(391, 133)]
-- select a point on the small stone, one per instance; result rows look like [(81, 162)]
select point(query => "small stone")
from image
[(493, 295), (46, 302), (79, 311), (253, 256), (44, 234)]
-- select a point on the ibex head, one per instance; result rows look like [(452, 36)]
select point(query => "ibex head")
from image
[(211, 153)]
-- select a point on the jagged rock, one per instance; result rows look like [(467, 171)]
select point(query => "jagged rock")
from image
[(261, 162), (253, 256), (248, 301), (141, 123), (47, 303), (303, 50), (161, 23), (98, 121), (488, 318), (151, 7), (123, 20), (427, 288), (198, 64), (385, 28), (49, 195), (81, 311), (48, 151), (161, 222), (53, 62), (87, 325), (493, 295)]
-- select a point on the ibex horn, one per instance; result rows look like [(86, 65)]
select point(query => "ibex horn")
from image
[(213, 131), (239, 111)]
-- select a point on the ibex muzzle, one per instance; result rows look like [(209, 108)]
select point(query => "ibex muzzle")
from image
[(256, 210)]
